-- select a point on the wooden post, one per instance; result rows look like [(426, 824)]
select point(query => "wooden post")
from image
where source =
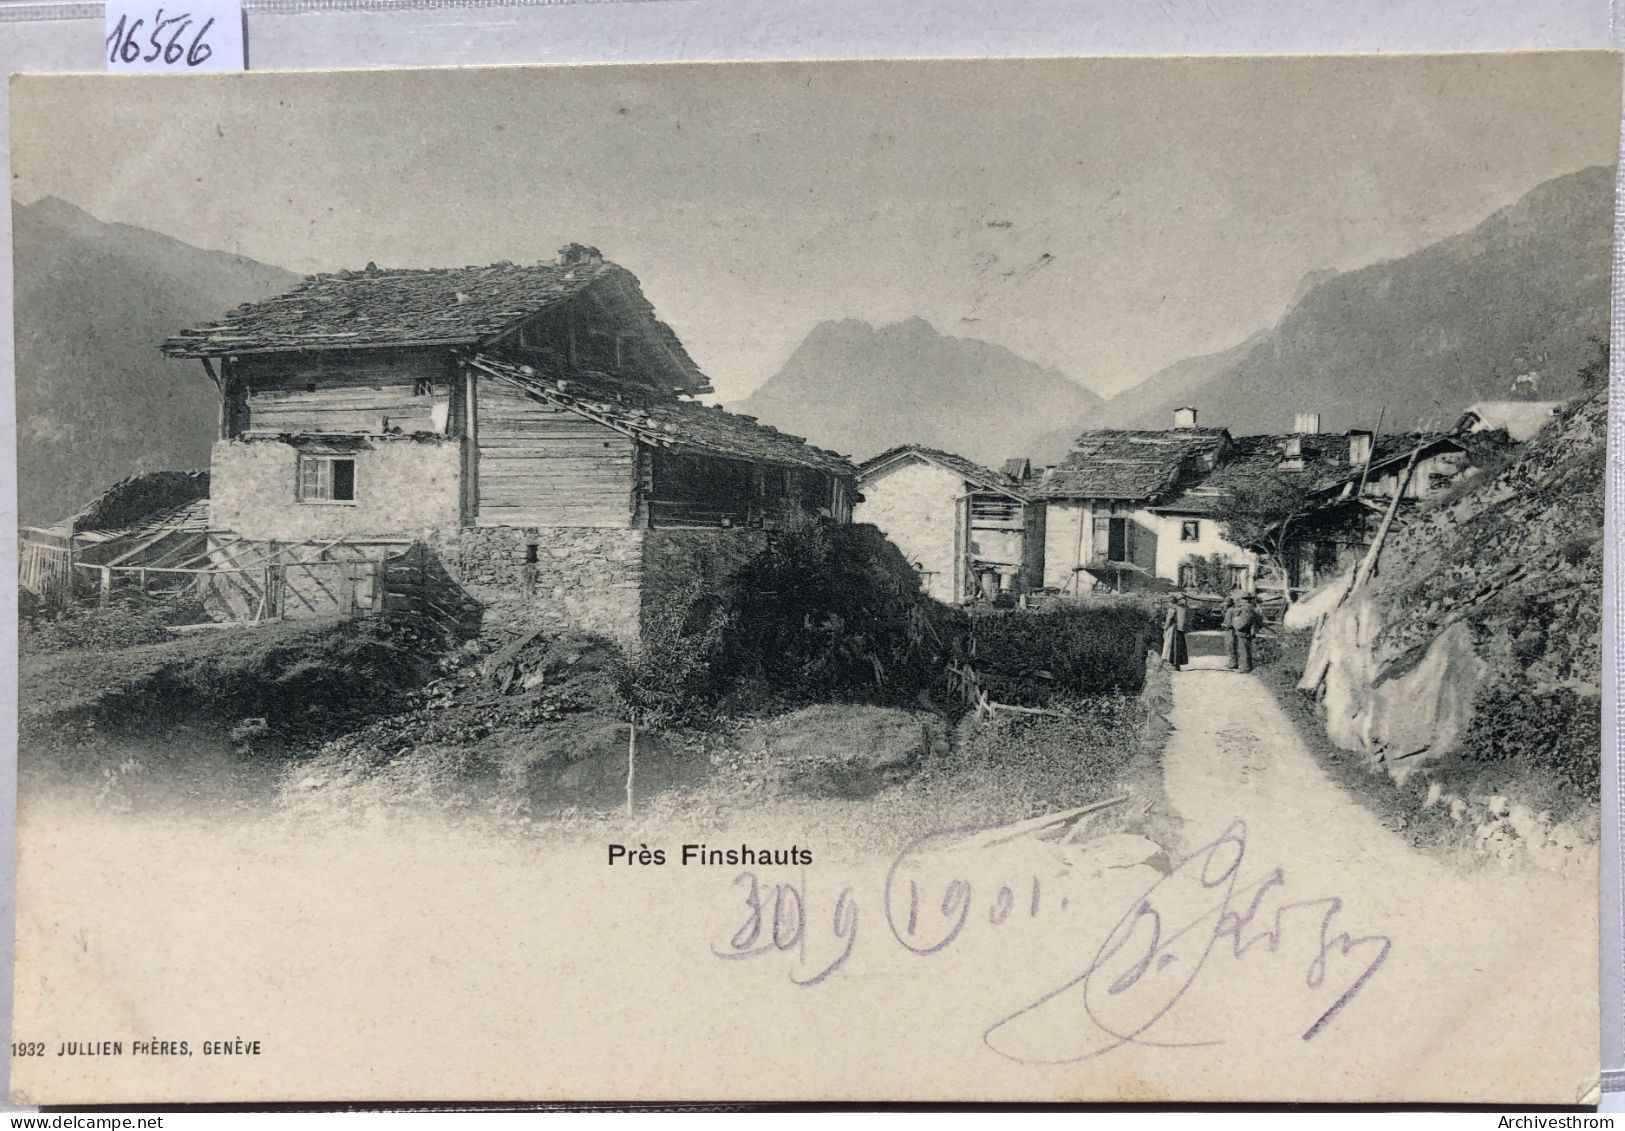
[(631, 758), (471, 441), (1368, 564), (70, 579), (106, 594), (141, 577)]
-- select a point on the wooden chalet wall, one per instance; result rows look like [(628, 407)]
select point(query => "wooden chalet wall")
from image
[(355, 392), (542, 466), (696, 489)]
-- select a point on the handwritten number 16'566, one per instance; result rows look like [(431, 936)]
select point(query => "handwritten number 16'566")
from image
[(131, 41)]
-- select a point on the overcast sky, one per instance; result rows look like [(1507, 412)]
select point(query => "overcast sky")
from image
[(1104, 217)]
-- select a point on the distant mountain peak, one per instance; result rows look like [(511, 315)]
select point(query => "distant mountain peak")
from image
[(1419, 337), (914, 324), (862, 388)]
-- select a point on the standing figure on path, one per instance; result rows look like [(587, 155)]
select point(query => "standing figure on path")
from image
[(1244, 620), (1227, 622), (1175, 620)]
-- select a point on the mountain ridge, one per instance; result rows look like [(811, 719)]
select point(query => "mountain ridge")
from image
[(848, 381), (1422, 335), (93, 299)]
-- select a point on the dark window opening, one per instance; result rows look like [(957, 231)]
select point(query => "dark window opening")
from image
[(532, 554), (1111, 539), (326, 479), (1190, 530)]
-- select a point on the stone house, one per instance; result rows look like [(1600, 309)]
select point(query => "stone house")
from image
[(1346, 481), (1112, 520), (1146, 508), (967, 530), (533, 425)]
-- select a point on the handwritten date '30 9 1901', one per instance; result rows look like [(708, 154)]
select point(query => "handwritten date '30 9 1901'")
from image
[(1149, 961)]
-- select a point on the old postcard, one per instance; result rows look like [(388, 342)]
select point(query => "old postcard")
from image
[(986, 580)]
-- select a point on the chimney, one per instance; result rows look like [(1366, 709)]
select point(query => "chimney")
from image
[(1292, 454), (1185, 417), (1359, 447), (1306, 423), (574, 253)]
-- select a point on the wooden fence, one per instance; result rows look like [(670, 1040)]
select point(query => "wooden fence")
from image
[(233, 579), (45, 566)]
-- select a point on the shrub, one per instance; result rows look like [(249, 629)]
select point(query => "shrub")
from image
[(836, 613), (131, 620), (673, 675), (1557, 732), (1034, 658)]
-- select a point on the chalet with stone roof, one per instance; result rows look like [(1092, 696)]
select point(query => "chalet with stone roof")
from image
[(534, 423), (1105, 523), (1145, 508), (969, 531), (1347, 480)]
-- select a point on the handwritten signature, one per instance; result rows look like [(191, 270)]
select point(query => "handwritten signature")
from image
[(1150, 960)]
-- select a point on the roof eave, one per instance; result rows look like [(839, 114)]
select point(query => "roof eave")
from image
[(222, 349)]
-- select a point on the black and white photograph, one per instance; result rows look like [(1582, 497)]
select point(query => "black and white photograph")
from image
[(1054, 580)]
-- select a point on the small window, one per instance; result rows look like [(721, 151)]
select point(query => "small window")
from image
[(422, 387), (1190, 530), (1188, 578), (326, 479)]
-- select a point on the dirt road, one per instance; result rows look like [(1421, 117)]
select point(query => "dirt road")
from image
[(1469, 944)]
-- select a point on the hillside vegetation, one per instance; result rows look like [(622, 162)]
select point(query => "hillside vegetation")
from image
[(1470, 667)]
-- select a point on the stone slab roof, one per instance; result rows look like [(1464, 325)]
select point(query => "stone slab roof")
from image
[(968, 470), (450, 306), (1133, 465)]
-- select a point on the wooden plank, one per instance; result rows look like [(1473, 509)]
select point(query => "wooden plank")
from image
[(563, 470), (585, 447), (554, 516)]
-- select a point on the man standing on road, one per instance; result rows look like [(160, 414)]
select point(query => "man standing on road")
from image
[(1175, 621), (1227, 622), (1244, 619)]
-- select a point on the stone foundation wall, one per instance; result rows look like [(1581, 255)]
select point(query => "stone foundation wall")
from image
[(591, 579), (586, 578)]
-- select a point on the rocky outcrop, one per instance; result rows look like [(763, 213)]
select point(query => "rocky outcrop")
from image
[(1475, 652), (848, 750)]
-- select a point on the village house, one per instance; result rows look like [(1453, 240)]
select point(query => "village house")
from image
[(1345, 481), (533, 425), (968, 531), (1148, 508), (1111, 521)]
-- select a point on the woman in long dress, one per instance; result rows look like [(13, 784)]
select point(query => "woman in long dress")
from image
[(1175, 620)]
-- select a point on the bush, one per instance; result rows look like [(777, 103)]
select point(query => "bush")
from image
[(1037, 764), (1035, 658), (1556, 732), (673, 675), (835, 613), (131, 620)]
